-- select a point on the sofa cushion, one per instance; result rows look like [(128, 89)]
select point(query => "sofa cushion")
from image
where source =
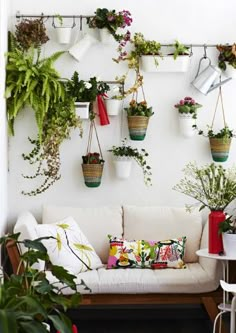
[(95, 223), (156, 222), (68, 246)]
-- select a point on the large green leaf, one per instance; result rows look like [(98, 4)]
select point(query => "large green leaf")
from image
[(7, 322), (64, 276)]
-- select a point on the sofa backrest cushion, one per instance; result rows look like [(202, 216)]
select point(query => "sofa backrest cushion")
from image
[(95, 222), (159, 223)]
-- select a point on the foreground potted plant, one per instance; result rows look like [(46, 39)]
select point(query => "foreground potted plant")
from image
[(123, 156), (228, 230), (187, 110), (29, 302), (138, 114), (213, 187), (227, 59)]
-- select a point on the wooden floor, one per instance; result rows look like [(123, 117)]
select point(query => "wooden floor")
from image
[(164, 319)]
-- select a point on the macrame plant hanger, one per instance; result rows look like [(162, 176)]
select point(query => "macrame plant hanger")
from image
[(219, 99)]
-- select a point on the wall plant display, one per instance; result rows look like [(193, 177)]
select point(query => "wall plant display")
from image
[(219, 140), (213, 187), (123, 155), (187, 111), (227, 59)]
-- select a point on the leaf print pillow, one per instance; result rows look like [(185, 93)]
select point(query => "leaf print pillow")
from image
[(69, 247)]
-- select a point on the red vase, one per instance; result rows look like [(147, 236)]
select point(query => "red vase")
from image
[(215, 244)]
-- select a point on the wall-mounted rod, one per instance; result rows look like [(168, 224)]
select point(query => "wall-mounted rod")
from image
[(19, 16), (195, 45)]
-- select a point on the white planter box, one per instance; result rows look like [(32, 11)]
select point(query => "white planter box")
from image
[(229, 244), (122, 167), (230, 71), (82, 109), (150, 63), (186, 123), (113, 106), (63, 35)]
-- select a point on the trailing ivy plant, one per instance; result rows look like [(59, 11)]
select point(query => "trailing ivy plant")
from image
[(58, 122)]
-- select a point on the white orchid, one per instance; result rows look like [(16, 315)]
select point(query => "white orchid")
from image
[(87, 85)]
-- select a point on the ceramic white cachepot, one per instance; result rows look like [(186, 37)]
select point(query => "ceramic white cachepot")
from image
[(105, 36), (122, 167), (167, 63), (113, 106), (82, 109), (230, 71), (79, 50), (63, 34), (229, 244), (186, 123)]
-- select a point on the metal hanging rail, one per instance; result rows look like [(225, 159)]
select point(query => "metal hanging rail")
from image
[(42, 15)]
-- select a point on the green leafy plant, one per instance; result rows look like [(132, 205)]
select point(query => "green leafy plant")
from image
[(92, 158), (58, 123), (188, 105), (211, 185), (180, 49), (227, 55), (31, 33), (28, 299), (228, 225), (224, 133), (138, 155), (139, 109)]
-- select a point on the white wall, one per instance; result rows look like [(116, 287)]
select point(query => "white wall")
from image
[(3, 125), (188, 21)]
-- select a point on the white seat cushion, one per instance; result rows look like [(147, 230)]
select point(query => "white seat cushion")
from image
[(95, 222), (193, 279), (159, 223)]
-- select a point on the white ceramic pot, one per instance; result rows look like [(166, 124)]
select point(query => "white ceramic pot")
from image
[(113, 106), (47, 326), (230, 71), (63, 34), (186, 123), (82, 109), (105, 36), (229, 244), (79, 50), (150, 63), (122, 167)]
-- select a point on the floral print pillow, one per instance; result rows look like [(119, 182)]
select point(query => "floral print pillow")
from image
[(146, 254)]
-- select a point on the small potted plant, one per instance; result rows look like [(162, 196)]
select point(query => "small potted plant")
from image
[(213, 187), (227, 59), (92, 169), (138, 114), (113, 101), (63, 31), (187, 110), (109, 22), (228, 230), (123, 156)]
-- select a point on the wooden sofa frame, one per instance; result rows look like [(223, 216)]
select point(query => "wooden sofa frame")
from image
[(208, 300)]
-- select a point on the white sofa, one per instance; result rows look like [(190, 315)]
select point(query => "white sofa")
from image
[(135, 222)]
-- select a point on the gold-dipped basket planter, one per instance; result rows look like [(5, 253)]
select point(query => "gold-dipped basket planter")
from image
[(137, 127), (92, 174), (220, 148)]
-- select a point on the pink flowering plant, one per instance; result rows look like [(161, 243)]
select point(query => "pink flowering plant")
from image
[(188, 105), (112, 21)]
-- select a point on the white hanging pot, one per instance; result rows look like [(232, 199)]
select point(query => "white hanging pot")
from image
[(155, 63), (122, 167), (229, 244), (186, 123), (82, 109), (113, 106), (230, 71), (105, 36), (63, 34)]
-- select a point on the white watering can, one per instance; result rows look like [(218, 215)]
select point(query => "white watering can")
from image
[(205, 81)]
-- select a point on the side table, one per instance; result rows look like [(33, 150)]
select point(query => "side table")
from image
[(225, 306)]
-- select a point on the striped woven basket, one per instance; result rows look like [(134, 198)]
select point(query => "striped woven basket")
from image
[(220, 148), (92, 174), (137, 127)]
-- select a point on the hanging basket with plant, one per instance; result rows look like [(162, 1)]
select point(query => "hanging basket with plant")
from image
[(92, 165), (219, 141), (227, 59)]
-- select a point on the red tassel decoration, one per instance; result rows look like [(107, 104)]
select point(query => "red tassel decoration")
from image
[(74, 329), (104, 120)]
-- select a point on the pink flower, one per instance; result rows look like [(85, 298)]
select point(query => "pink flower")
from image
[(181, 102)]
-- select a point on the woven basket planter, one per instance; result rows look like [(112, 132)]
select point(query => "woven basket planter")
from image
[(92, 174), (137, 127), (220, 148)]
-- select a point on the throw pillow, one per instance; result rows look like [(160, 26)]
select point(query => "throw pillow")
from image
[(170, 253), (132, 254), (69, 247)]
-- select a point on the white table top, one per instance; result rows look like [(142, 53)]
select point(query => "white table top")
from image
[(206, 254)]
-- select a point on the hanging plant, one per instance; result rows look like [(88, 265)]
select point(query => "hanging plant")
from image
[(58, 123)]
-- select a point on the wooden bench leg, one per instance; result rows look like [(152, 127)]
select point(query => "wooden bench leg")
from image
[(212, 310)]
